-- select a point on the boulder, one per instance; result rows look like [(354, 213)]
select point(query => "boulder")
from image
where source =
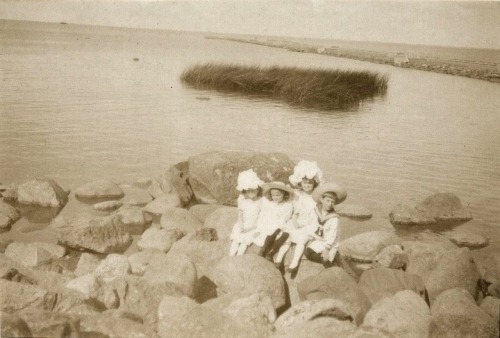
[(108, 326), (101, 189), (335, 283), (8, 216), (112, 267), (456, 269), (43, 323), (365, 246), (4, 243), (455, 314), (21, 296), (379, 283), (353, 211), (10, 194), (159, 239), (202, 211), (96, 290), (162, 203), (107, 205), (370, 332), (206, 234), (13, 326), (322, 327), (134, 219), (87, 263), (403, 214), (388, 256), (178, 270), (42, 192), (178, 218), (139, 261), (135, 196), (404, 314), (87, 232), (222, 220), (490, 266), (56, 251), (213, 175), (143, 182), (468, 240), (28, 255), (251, 273), (491, 305)]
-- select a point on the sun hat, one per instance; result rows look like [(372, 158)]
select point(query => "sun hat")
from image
[(248, 179), (329, 187), (266, 188), (307, 169)]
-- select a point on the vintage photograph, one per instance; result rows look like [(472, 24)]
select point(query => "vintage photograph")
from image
[(249, 168)]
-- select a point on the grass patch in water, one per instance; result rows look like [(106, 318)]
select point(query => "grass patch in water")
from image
[(310, 88)]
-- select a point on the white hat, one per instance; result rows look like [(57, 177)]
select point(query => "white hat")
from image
[(248, 179), (308, 169)]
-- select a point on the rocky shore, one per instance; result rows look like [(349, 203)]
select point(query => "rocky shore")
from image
[(150, 259)]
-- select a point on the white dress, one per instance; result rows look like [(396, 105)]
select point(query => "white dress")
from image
[(272, 216), (250, 211), (303, 207), (331, 235)]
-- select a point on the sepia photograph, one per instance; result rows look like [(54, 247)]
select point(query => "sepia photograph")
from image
[(249, 168)]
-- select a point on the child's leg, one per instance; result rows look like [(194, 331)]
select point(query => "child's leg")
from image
[(268, 243), (233, 249), (278, 244), (242, 249), (313, 255), (282, 252), (297, 255)]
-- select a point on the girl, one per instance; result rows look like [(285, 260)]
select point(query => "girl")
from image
[(249, 205), (306, 177), (276, 211)]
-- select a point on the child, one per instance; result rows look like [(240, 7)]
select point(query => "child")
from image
[(306, 177), (276, 211), (249, 205), (323, 248)]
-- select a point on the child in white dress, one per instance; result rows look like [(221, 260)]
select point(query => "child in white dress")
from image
[(275, 213), (300, 229), (249, 205)]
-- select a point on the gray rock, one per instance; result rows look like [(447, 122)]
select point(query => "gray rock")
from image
[(87, 263), (469, 240), (404, 315), (159, 239), (43, 323), (28, 255), (335, 283), (95, 289), (387, 256), (134, 219), (112, 267), (13, 326), (213, 176), (456, 269), (403, 214), (379, 283), (139, 261), (178, 218), (42, 192), (115, 327), (222, 220), (491, 305), (86, 232), (56, 251), (353, 211), (455, 314), (202, 211), (250, 273), (135, 196), (491, 268), (101, 189), (107, 205), (322, 327), (365, 246), (21, 296), (162, 203)]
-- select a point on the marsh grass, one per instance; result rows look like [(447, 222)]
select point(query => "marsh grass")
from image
[(309, 88)]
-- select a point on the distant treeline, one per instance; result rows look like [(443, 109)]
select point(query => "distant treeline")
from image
[(310, 88)]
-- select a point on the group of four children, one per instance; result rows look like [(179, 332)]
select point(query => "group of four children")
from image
[(304, 216)]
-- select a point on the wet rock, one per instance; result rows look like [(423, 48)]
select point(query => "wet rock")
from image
[(491, 305), (469, 240), (112, 267), (353, 211), (13, 326), (51, 324), (202, 211), (335, 283), (139, 261), (178, 218), (42, 192), (213, 175), (250, 273), (87, 232), (206, 234), (162, 203), (21, 296), (178, 270), (455, 314), (404, 315), (114, 327), (159, 239), (8, 216), (456, 269), (107, 205), (87, 264), (365, 246), (222, 220), (134, 219), (388, 256), (379, 283), (101, 189), (28, 255)]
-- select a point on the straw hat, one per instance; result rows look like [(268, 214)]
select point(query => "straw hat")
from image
[(248, 179), (266, 188), (307, 169), (329, 187)]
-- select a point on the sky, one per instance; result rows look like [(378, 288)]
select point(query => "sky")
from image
[(446, 23)]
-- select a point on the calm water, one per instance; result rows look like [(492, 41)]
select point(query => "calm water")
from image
[(75, 106)]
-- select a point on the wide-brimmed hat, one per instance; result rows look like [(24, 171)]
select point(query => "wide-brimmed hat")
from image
[(308, 169), (266, 188), (248, 179), (329, 187)]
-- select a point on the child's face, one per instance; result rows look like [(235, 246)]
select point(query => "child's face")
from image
[(328, 202), (250, 193), (277, 195), (307, 185)]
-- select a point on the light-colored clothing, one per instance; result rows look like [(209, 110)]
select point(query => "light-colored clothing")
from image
[(303, 208), (244, 232), (330, 238), (272, 216)]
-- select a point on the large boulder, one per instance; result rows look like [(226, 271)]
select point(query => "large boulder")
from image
[(139, 261), (213, 175), (87, 263), (87, 232), (162, 203), (222, 220), (159, 239), (337, 284), (28, 255), (108, 326), (42, 192), (101, 189), (202, 211), (91, 287), (353, 211), (469, 240), (107, 205), (440, 207), (379, 283), (250, 273), (391, 256), (404, 315), (22, 296), (43, 323), (178, 218), (12, 325), (365, 246), (8, 216), (134, 219), (491, 305), (56, 251), (135, 196), (174, 183), (456, 269), (112, 267), (455, 314)]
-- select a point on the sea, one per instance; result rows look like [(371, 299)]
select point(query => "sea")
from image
[(81, 103)]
